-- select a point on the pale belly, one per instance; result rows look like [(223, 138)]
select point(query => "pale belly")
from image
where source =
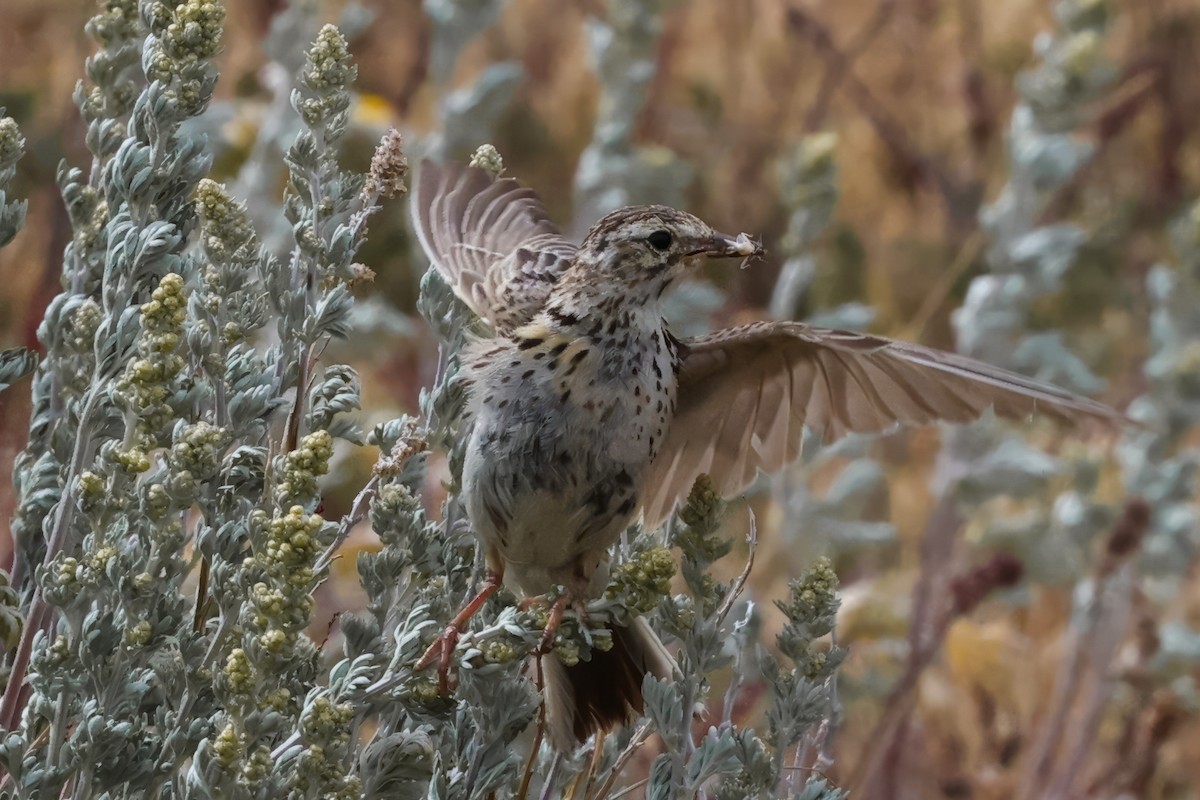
[(547, 497), (552, 474)]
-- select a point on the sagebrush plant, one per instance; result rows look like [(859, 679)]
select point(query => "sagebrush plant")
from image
[(15, 363), (1125, 646), (169, 531)]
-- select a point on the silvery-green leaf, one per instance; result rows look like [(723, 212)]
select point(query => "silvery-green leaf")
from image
[(15, 364)]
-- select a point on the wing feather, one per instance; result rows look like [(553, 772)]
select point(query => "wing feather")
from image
[(472, 225), (745, 394)]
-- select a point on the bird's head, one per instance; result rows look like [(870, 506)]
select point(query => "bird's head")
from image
[(642, 251)]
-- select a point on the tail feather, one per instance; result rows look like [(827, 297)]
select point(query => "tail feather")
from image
[(606, 691)]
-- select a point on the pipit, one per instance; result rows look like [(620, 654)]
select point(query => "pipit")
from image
[(586, 411)]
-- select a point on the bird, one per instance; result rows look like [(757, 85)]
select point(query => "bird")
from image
[(587, 412)]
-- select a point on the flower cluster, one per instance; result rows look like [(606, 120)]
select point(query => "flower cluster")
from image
[(150, 379), (302, 467), (12, 147), (184, 37), (488, 157), (642, 581), (118, 28), (171, 539), (389, 168), (326, 73), (17, 362), (226, 233)]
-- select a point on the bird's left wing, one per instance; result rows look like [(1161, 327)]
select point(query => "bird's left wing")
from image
[(490, 238), (745, 394)]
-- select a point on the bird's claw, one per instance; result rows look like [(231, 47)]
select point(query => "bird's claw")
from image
[(557, 609), (534, 601), (441, 651)]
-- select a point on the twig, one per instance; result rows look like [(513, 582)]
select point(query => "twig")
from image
[(39, 610), (1066, 688), (890, 131), (10, 708), (635, 742), (594, 761), (885, 736), (935, 297), (739, 585), (935, 556), (538, 734), (629, 788), (981, 122), (1122, 542), (409, 445), (199, 611), (551, 777), (963, 596), (735, 682), (839, 63), (292, 434), (1137, 87), (1097, 697), (358, 512)]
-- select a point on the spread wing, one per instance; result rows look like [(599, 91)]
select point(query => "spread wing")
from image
[(745, 394), (491, 239)]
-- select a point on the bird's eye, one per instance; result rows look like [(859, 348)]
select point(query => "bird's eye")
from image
[(659, 240)]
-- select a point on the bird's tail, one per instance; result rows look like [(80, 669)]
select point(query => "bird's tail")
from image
[(598, 694)]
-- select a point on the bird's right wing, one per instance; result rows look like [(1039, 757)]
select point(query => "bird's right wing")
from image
[(490, 238), (745, 395)]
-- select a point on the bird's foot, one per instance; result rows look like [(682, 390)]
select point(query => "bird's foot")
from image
[(535, 601), (558, 610), (442, 649)]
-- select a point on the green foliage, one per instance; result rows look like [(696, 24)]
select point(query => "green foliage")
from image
[(169, 533), (155, 436)]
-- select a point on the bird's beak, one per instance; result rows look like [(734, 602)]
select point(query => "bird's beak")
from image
[(723, 245)]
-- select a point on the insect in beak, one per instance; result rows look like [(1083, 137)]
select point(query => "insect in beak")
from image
[(722, 245)]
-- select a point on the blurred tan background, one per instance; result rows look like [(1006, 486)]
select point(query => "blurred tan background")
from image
[(918, 93)]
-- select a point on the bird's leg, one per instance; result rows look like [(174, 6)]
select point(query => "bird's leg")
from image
[(557, 610), (573, 596), (442, 648), (533, 601)]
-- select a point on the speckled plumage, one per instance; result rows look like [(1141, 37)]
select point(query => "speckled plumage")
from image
[(587, 411), (570, 409)]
